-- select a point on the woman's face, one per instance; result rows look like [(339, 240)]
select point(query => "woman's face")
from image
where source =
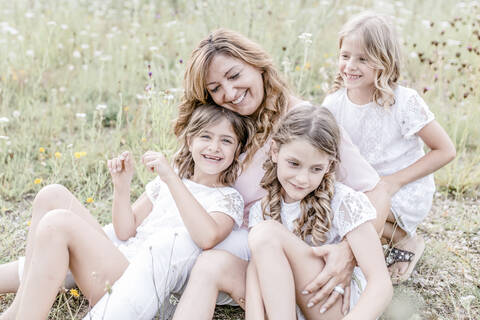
[(234, 84)]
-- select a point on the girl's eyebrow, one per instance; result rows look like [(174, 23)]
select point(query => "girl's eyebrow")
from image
[(225, 74), (222, 135)]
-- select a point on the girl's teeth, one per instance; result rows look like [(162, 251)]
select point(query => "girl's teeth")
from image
[(240, 99)]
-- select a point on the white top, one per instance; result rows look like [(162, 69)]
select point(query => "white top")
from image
[(165, 213), (387, 138), (353, 171), (349, 209)]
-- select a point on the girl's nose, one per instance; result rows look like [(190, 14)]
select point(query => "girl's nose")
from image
[(214, 145), (302, 177)]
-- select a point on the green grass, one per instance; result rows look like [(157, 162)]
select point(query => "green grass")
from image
[(74, 78)]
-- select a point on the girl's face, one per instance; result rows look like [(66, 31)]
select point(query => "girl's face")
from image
[(300, 168), (213, 150), (355, 70), (234, 84)]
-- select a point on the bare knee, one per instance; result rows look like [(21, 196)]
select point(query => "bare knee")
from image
[(55, 224), (208, 267), (47, 199), (263, 235)]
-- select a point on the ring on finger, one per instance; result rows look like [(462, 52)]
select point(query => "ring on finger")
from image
[(339, 290)]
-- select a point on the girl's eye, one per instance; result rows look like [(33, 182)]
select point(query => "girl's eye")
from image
[(344, 56), (205, 136), (214, 89), (292, 163), (363, 60), (317, 170), (227, 141)]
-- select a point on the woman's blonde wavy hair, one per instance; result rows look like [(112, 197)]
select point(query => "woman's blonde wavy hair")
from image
[(382, 50), (202, 118), (233, 44), (317, 126)]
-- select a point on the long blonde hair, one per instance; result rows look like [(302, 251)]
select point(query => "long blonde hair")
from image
[(233, 44), (317, 126), (203, 117), (383, 53)]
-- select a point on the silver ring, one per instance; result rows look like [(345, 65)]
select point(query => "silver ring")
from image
[(339, 289)]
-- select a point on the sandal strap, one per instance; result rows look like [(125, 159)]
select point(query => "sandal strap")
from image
[(398, 255)]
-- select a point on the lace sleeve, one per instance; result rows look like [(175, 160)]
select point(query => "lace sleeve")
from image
[(153, 189), (413, 115), (354, 209), (256, 215), (231, 203)]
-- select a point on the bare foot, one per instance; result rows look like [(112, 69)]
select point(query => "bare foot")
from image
[(401, 271)]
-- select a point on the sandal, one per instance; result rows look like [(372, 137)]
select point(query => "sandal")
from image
[(394, 255)]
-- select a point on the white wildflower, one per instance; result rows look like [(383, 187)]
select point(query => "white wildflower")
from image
[(29, 15), (77, 54), (71, 67), (4, 120), (153, 48), (16, 114), (4, 138), (106, 58), (30, 53), (84, 46), (51, 23), (451, 42), (426, 24), (60, 46), (80, 115), (97, 53), (101, 107), (64, 26)]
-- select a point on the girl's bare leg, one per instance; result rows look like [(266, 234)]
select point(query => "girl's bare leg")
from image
[(49, 198), (254, 308), (285, 265), (214, 271), (63, 241), (9, 281)]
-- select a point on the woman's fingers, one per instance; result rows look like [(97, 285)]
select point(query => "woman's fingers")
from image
[(324, 292), (346, 300)]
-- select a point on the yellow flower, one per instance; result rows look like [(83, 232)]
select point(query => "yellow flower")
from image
[(307, 66), (74, 293), (41, 150), (58, 155), (80, 154), (144, 139), (325, 55), (297, 68), (125, 109), (29, 222), (89, 200), (38, 181)]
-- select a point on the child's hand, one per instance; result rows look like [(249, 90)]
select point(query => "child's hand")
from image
[(391, 184), (121, 169), (156, 162)]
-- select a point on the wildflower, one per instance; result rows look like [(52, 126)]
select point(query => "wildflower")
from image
[(89, 200), (74, 293), (41, 150), (297, 68), (79, 154), (29, 222), (58, 155), (125, 109), (76, 54), (80, 115), (101, 107), (38, 181), (144, 139), (51, 23), (4, 119), (181, 60)]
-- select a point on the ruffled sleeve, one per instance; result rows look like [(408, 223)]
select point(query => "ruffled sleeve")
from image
[(153, 188), (256, 215), (413, 115), (230, 202), (353, 209)]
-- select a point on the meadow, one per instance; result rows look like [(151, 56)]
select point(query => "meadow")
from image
[(81, 81)]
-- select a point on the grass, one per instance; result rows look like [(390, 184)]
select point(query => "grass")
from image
[(75, 89)]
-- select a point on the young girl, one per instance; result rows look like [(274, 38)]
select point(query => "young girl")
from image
[(389, 124), (181, 213), (302, 195)]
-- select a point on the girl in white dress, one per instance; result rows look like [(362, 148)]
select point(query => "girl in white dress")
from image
[(182, 211), (303, 196), (389, 124)]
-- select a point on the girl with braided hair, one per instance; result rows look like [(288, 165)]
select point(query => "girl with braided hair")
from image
[(304, 202)]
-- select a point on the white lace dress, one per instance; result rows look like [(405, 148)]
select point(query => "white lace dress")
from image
[(388, 140), (349, 209), (162, 253)]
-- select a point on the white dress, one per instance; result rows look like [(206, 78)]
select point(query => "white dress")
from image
[(388, 140), (162, 253), (350, 209)]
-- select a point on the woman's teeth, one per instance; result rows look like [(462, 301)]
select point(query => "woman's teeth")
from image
[(352, 77), (240, 99), (212, 157)]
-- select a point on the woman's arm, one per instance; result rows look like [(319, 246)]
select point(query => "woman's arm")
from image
[(125, 217), (368, 252), (206, 229), (442, 151)]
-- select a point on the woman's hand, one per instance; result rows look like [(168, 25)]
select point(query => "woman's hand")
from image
[(156, 162), (121, 169), (338, 270)]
